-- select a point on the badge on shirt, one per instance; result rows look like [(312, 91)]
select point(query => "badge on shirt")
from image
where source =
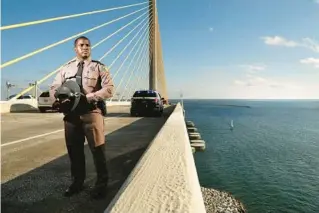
[(92, 69)]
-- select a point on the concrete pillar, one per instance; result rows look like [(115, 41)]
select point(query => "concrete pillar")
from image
[(152, 45)]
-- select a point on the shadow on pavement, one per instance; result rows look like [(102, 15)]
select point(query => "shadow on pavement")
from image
[(41, 189)]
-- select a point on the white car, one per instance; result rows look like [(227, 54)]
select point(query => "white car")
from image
[(45, 102), (21, 97)]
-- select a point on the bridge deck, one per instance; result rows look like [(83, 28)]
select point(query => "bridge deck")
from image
[(35, 167)]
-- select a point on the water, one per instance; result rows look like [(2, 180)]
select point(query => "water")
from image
[(270, 161)]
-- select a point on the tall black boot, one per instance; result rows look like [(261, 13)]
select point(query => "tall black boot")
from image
[(100, 187), (78, 172)]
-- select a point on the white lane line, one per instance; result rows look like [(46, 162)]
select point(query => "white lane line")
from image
[(29, 138), (42, 135)]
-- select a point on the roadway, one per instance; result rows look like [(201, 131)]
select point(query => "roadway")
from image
[(35, 166)]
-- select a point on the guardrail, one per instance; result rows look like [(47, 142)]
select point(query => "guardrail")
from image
[(27, 105), (19, 105), (165, 179)]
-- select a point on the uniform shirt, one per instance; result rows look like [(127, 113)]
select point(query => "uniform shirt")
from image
[(96, 79)]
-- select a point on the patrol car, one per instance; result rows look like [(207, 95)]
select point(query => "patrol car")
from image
[(45, 102), (147, 101)]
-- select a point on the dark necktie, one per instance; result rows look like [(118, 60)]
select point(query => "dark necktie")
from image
[(79, 74)]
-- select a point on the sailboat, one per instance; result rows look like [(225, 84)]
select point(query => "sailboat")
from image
[(231, 125)]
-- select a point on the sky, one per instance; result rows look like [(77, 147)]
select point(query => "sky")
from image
[(223, 49)]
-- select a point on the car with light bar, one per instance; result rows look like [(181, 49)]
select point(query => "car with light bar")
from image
[(147, 102)]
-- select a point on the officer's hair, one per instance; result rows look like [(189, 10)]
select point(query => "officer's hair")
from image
[(81, 37)]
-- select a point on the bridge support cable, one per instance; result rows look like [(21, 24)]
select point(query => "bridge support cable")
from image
[(128, 91), (119, 42), (125, 61), (124, 50), (140, 76), (142, 60), (117, 31), (66, 17), (94, 46), (141, 79), (135, 69), (13, 61), (133, 58)]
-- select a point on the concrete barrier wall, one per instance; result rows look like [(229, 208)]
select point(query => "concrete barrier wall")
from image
[(118, 103), (5, 107), (19, 105), (27, 105), (165, 179)]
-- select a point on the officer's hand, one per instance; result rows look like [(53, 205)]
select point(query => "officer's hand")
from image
[(55, 105), (65, 101), (90, 97)]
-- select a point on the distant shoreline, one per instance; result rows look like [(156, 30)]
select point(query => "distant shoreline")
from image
[(230, 105), (221, 99)]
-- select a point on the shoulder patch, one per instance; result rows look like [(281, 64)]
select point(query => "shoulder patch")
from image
[(70, 62), (104, 68), (98, 62)]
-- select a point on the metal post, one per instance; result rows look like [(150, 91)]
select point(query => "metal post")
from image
[(36, 89), (8, 93), (182, 102), (8, 85), (152, 45)]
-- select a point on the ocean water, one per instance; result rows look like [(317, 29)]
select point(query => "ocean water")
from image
[(270, 161)]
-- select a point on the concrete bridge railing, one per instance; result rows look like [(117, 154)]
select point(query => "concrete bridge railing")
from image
[(165, 179), (19, 105), (27, 105)]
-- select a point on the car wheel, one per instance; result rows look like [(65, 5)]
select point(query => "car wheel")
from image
[(42, 110), (133, 114)]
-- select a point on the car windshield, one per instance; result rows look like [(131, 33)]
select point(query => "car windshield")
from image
[(144, 94), (20, 97), (45, 94), (25, 97)]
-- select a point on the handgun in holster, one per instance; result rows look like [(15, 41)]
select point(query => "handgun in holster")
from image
[(102, 106)]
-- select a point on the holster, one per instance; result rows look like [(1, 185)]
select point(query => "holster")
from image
[(97, 104), (102, 106)]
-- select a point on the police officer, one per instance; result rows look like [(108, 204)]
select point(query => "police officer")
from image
[(87, 119)]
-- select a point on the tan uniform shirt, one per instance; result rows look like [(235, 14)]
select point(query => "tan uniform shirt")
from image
[(96, 78)]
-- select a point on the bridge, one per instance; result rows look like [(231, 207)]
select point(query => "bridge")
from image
[(150, 159)]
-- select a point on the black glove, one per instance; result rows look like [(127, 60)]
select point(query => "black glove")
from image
[(56, 105)]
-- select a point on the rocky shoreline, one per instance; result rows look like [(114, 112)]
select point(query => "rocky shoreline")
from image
[(221, 202)]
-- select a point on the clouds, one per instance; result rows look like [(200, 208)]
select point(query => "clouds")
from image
[(252, 81), (253, 68), (308, 43), (252, 78), (260, 80), (259, 83), (311, 61), (281, 41)]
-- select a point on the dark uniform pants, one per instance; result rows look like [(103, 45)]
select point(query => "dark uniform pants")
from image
[(91, 127)]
